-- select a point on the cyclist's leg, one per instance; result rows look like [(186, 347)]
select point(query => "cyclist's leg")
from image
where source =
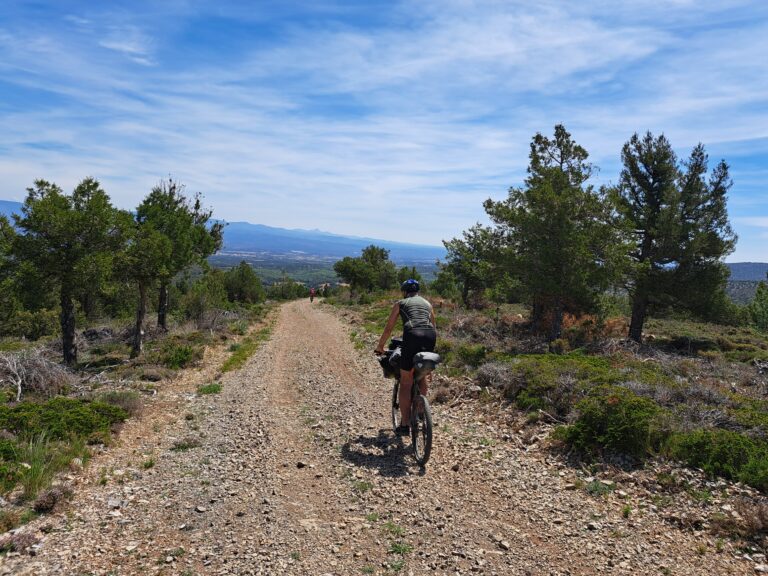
[(424, 385), (406, 381)]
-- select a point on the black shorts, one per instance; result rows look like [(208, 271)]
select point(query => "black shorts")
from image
[(415, 341)]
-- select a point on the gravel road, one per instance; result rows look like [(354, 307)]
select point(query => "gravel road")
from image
[(293, 469)]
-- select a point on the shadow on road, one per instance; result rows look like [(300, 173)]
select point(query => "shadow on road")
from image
[(390, 454)]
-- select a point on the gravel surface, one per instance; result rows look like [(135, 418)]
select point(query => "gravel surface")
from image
[(293, 469)]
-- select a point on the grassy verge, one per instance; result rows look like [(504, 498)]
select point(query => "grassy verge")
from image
[(242, 351), (46, 437)]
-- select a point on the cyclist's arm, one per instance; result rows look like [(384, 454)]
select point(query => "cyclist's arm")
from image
[(391, 321)]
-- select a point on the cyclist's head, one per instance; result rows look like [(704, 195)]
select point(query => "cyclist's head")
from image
[(410, 286)]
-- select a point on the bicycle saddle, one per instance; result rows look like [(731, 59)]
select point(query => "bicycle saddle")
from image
[(426, 357)]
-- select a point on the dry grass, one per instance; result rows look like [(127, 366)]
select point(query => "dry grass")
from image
[(19, 542), (47, 500), (29, 371)]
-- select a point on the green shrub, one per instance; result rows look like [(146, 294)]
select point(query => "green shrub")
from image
[(47, 437), (445, 349), (9, 476), (724, 453), (471, 354), (615, 419), (32, 325), (555, 382), (212, 388), (180, 356), (61, 418), (365, 298)]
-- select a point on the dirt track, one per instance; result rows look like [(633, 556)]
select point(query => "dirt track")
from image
[(298, 472)]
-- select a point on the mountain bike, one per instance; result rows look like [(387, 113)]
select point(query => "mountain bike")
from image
[(421, 414)]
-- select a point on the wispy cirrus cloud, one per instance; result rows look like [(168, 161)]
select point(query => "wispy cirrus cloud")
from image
[(129, 41), (332, 115)]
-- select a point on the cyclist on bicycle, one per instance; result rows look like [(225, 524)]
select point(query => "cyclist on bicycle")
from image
[(419, 335), (311, 294)]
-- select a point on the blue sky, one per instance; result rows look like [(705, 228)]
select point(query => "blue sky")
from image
[(382, 119)]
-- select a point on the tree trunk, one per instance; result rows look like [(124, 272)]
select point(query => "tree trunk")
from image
[(138, 334), (465, 294), (89, 305), (537, 311), (556, 329), (69, 346), (639, 305), (162, 307)]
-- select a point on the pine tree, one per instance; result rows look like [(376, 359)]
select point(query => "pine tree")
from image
[(758, 308), (71, 241), (556, 232), (469, 261), (186, 225), (243, 284), (677, 227)]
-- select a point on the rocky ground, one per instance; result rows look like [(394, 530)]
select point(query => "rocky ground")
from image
[(293, 469)]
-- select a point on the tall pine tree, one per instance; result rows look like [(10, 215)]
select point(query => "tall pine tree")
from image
[(676, 223), (185, 224), (71, 241), (557, 233)]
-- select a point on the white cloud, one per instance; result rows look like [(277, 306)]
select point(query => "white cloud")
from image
[(758, 221), (129, 41), (334, 125)]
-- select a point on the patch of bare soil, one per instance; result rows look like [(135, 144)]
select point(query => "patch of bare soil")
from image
[(293, 469)]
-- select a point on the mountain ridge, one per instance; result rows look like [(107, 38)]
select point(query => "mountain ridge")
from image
[(242, 237), (292, 243)]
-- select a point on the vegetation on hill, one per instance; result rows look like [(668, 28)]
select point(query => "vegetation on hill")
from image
[(605, 311), (78, 280)]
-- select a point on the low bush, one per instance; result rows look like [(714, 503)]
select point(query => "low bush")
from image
[(17, 542), (47, 499), (471, 354), (32, 325), (614, 418), (212, 388), (724, 453), (445, 349), (128, 400), (61, 418), (9, 519), (556, 382), (28, 371), (495, 374), (181, 356)]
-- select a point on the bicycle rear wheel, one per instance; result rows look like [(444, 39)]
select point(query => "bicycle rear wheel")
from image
[(396, 405), (421, 429)]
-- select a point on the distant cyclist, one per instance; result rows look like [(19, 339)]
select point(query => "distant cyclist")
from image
[(311, 294), (419, 335)]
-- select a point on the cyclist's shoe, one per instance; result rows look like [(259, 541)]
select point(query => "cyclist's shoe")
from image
[(403, 430)]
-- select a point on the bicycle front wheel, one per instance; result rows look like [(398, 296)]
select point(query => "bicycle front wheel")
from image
[(421, 429), (396, 405)]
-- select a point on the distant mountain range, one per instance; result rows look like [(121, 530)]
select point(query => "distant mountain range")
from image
[(270, 242), (748, 271)]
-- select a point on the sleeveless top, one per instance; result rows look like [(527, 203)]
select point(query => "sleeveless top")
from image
[(416, 313)]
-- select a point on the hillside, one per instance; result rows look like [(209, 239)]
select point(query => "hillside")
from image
[(748, 271), (257, 242)]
